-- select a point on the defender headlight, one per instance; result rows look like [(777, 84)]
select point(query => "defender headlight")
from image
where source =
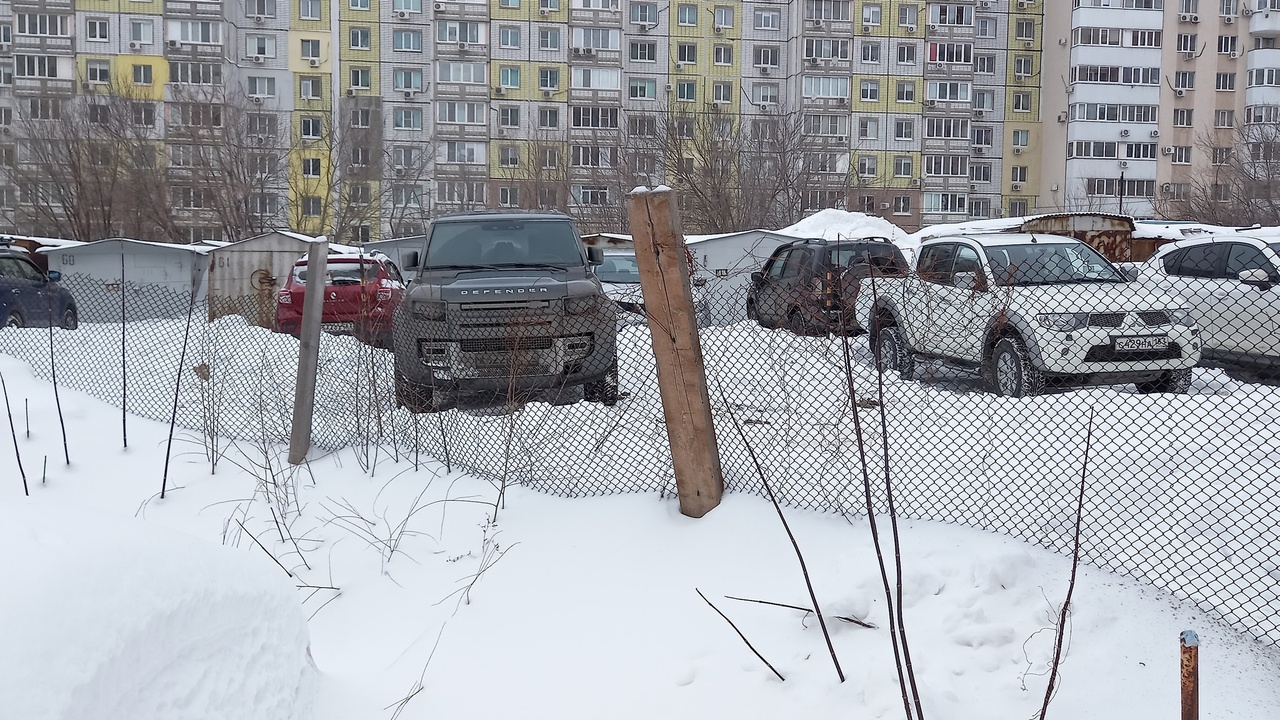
[(1063, 322), (581, 305), (1181, 316), (429, 310)]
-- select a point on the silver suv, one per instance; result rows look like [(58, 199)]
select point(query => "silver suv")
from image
[(504, 310)]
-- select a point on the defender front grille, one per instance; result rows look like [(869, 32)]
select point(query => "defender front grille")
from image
[(1154, 318), (504, 344), (1106, 320)]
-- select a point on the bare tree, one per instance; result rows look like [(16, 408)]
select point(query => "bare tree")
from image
[(1240, 187), (86, 167)]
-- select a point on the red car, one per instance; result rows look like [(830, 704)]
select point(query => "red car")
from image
[(360, 294)]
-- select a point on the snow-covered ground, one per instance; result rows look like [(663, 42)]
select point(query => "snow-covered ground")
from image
[(564, 608)]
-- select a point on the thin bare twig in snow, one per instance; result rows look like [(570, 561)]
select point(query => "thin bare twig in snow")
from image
[(14, 432), (1075, 565), (744, 637), (264, 548)]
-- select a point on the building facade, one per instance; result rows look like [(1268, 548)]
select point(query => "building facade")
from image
[(364, 119), (1155, 97)]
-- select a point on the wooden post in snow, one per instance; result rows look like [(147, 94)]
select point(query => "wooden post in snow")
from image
[(673, 327), (304, 394)]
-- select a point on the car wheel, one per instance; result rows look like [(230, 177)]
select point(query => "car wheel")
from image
[(14, 320), (797, 324), (70, 321), (605, 390), (891, 352), (1011, 371), (414, 396), (1177, 382)]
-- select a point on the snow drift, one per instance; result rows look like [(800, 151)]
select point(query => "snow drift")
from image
[(115, 620)]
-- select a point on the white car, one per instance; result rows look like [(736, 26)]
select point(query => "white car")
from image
[(1029, 311), (620, 277), (1231, 283)]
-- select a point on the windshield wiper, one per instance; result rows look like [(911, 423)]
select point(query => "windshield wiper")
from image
[(549, 266), (428, 268)]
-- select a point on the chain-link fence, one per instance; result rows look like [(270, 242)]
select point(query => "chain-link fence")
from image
[(971, 372)]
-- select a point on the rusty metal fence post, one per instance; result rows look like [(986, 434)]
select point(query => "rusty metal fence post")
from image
[(1190, 675)]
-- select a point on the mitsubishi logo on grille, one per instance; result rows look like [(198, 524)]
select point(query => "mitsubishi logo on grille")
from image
[(333, 296), (1130, 320)]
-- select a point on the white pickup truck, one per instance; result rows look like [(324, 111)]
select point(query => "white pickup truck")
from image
[(1028, 312)]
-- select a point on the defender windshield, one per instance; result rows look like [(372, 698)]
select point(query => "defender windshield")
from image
[(619, 269), (503, 243), (347, 273), (1050, 264)]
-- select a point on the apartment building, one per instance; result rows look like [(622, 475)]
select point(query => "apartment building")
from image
[(923, 112), (1154, 95)]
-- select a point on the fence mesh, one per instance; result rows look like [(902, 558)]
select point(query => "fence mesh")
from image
[(973, 379)]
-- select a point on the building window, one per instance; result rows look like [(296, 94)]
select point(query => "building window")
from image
[(724, 17), (768, 20), (722, 55), (870, 90), (549, 118), (262, 86), (361, 117), (686, 91), (1025, 29), (1224, 118), (642, 89), (764, 93), (548, 79), (867, 165), (508, 197), (870, 51), (406, 41), (97, 31), (644, 51), (687, 15), (98, 71), (984, 27), (1021, 138), (311, 206), (722, 92), (906, 54), (903, 166), (509, 4), (310, 49), (901, 204), (1226, 81), (508, 156), (906, 91), (1023, 66), (1184, 80), (686, 53), (549, 158), (509, 117), (140, 31), (904, 129), (359, 38), (548, 38), (508, 36), (310, 87), (1221, 155), (1181, 155), (509, 76), (1182, 117), (264, 45), (1022, 102), (871, 14), (142, 75), (358, 4), (311, 167), (309, 9), (406, 119)]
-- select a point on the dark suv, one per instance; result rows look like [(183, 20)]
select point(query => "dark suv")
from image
[(811, 286), (29, 297), (505, 309)]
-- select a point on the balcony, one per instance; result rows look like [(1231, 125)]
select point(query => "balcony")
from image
[(1264, 23), (33, 43), (595, 96), (460, 11), (456, 131), (949, 32), (42, 86), (47, 6), (823, 27), (578, 16)]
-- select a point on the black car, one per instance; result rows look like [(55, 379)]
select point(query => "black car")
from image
[(811, 286), (29, 297)]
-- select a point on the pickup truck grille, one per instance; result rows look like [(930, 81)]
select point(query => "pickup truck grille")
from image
[(1106, 320), (1151, 318)]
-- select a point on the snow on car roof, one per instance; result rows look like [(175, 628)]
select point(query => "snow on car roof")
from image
[(989, 239)]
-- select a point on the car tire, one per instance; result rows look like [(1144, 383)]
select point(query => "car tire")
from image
[(1177, 382), (415, 396), (14, 320), (891, 352), (70, 320), (606, 390), (798, 325), (1011, 371)]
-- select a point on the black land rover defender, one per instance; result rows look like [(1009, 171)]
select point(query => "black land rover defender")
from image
[(504, 310)]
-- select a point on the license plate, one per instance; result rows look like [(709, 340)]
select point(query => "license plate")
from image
[(1140, 343), (337, 326)]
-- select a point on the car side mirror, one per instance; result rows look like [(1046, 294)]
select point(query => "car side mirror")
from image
[(595, 255), (1256, 277), (971, 281), (699, 281), (410, 260), (1130, 272), (757, 278), (54, 276)]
